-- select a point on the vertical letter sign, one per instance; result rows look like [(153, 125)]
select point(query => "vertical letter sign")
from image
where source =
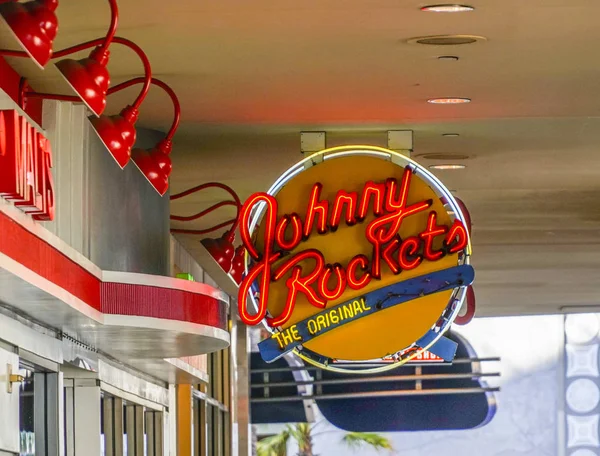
[(352, 256), (25, 162)]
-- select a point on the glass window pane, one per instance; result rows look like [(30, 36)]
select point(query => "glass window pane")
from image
[(210, 440), (26, 409)]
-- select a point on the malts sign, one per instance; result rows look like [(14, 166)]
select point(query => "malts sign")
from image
[(355, 254), (25, 162)]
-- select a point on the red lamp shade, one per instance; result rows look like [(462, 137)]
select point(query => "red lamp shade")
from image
[(155, 166), (89, 78), (117, 133), (34, 25), (221, 249), (163, 161), (161, 155), (238, 265)]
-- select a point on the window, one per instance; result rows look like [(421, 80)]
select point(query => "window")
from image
[(212, 428), (130, 429), (112, 419), (38, 410), (26, 410)]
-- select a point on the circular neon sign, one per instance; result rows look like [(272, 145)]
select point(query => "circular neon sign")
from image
[(356, 255)]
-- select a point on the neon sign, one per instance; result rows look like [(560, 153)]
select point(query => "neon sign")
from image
[(25, 167), (330, 252), (390, 208)]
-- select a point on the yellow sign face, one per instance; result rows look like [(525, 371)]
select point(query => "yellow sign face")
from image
[(353, 259)]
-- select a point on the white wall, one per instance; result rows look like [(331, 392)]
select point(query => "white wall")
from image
[(67, 130), (9, 404)]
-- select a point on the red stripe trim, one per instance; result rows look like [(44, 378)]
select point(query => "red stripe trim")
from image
[(112, 298), (156, 302), (46, 261)]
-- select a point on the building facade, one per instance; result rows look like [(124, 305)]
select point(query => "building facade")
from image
[(113, 339)]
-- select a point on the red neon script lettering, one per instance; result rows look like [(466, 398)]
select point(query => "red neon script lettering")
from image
[(315, 209), (306, 271), (294, 221), (263, 267)]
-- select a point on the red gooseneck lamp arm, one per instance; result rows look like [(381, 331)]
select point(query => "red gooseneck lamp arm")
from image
[(236, 202), (88, 77), (155, 163), (104, 42), (114, 22), (162, 85), (231, 260), (147, 79), (117, 132)]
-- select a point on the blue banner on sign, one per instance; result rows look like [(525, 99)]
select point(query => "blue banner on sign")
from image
[(284, 341)]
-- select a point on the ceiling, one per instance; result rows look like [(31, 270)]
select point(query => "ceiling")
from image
[(252, 75)]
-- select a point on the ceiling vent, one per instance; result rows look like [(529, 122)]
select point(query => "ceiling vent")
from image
[(446, 157), (446, 40)]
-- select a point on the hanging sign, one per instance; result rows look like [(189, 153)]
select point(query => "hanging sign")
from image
[(25, 166), (355, 254)]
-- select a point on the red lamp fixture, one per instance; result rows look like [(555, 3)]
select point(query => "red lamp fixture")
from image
[(116, 132), (221, 249), (238, 265), (34, 25), (89, 77), (155, 164)]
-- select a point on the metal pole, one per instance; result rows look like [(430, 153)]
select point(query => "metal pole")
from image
[(377, 394), (299, 368), (391, 378)]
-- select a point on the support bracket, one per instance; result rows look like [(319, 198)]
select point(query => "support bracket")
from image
[(401, 141)]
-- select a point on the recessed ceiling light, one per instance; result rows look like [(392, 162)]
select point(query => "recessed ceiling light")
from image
[(448, 58), (447, 167), (449, 8), (449, 100), (450, 135)]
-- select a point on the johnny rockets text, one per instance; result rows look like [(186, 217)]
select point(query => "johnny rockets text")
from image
[(387, 201)]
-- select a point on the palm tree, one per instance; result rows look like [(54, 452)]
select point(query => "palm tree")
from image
[(276, 445), (356, 440)]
